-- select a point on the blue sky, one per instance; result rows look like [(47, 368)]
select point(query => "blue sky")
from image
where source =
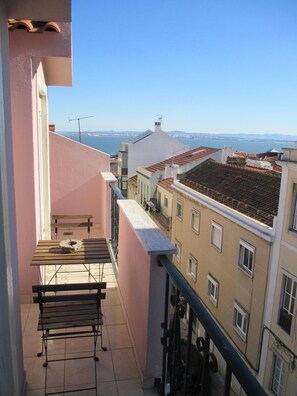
[(216, 66)]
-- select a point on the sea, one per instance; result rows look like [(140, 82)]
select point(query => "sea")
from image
[(112, 144)]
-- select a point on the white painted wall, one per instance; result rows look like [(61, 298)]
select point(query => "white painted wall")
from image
[(152, 149)]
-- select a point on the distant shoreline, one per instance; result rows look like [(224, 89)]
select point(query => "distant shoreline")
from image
[(195, 136)]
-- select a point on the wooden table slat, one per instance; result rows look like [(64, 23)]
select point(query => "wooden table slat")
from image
[(48, 252)]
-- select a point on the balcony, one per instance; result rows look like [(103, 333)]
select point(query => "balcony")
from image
[(141, 353), (117, 370)]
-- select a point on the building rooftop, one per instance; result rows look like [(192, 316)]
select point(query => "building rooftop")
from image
[(142, 136), (133, 179), (167, 184), (251, 193), (184, 158)]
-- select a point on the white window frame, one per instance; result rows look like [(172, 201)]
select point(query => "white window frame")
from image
[(243, 248), (179, 213), (294, 218), (212, 289), (219, 228), (195, 213), (192, 267), (165, 201), (240, 325), (279, 374), (288, 299), (178, 251)]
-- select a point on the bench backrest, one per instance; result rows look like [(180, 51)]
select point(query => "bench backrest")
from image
[(71, 221)]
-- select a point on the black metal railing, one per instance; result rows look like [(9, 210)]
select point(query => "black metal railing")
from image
[(115, 196), (188, 366)]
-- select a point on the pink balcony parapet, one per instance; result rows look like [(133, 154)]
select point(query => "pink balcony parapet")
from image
[(142, 285), (77, 185)]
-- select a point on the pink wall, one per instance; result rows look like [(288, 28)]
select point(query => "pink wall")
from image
[(142, 285), (76, 181), (24, 164), (134, 283), (26, 53)]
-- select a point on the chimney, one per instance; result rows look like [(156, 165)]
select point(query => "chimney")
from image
[(157, 126), (227, 151), (171, 171), (52, 127)]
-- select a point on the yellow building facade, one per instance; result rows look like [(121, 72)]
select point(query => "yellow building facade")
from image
[(225, 255)]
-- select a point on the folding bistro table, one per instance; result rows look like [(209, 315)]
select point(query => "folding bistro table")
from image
[(92, 251)]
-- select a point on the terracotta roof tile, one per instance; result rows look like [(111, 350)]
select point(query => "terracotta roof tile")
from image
[(167, 184), (184, 158), (252, 193), (32, 26), (133, 179)]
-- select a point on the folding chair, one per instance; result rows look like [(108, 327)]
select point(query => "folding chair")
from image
[(70, 311)]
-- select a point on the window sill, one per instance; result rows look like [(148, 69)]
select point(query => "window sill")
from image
[(292, 232), (216, 248), (194, 278), (240, 333), (246, 271), (213, 301)]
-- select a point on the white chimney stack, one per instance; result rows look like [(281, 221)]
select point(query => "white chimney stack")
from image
[(157, 126)]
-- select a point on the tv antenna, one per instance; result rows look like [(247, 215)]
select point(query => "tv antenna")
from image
[(78, 120)]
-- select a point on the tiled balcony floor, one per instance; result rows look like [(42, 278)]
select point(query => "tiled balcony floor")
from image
[(117, 369)]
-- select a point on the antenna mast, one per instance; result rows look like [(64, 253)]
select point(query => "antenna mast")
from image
[(78, 120)]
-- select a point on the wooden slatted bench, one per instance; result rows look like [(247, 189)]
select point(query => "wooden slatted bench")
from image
[(69, 221), (70, 311)]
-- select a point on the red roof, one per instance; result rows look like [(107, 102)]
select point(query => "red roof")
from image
[(184, 158), (167, 184), (253, 193), (133, 179)]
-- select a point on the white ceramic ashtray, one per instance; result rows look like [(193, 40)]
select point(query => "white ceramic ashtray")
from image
[(70, 245)]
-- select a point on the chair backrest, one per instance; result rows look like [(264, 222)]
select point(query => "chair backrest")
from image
[(70, 292)]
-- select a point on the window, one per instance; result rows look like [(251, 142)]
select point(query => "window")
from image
[(216, 235), (178, 251), (294, 218), (179, 209), (288, 297), (195, 220), (212, 290), (159, 198), (240, 320), (192, 269), (278, 376), (246, 257), (165, 201)]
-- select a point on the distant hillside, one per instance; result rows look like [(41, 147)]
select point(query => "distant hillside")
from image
[(199, 135)]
